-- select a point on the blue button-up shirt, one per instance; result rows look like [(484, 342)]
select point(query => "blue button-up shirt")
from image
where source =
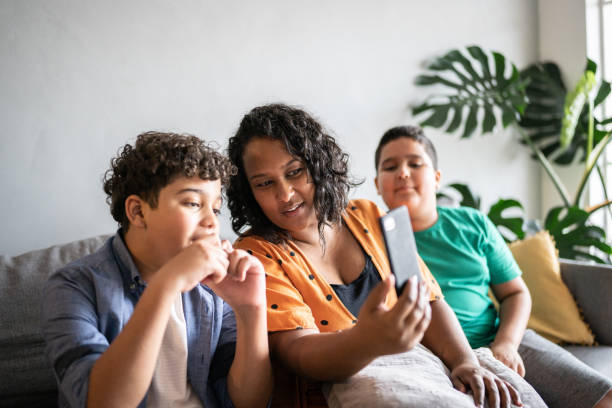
[(88, 302)]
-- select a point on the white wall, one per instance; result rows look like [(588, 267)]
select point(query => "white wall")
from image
[(78, 79)]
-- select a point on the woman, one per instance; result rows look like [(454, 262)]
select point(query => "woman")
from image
[(325, 261), (467, 255)]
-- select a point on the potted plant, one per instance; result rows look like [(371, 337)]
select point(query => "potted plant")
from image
[(486, 90)]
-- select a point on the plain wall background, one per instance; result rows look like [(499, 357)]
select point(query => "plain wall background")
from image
[(78, 79)]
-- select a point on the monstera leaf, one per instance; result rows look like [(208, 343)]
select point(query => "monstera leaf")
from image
[(510, 228), (467, 198), (575, 237), (544, 114), (480, 87)]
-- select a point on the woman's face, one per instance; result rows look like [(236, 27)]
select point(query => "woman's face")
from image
[(406, 176), (280, 184)]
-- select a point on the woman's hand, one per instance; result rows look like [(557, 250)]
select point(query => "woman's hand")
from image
[(395, 330), (508, 354), (483, 382)]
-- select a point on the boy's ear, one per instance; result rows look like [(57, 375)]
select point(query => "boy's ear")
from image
[(376, 184), (133, 211)]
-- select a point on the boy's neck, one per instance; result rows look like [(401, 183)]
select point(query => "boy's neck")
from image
[(136, 245), (424, 221)]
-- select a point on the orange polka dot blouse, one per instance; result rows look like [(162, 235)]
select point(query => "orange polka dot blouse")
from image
[(298, 297)]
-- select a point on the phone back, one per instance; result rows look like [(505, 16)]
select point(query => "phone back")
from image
[(400, 245)]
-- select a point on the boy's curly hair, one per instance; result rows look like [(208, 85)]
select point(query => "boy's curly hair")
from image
[(155, 160), (304, 138)]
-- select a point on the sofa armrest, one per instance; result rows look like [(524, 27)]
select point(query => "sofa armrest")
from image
[(591, 286)]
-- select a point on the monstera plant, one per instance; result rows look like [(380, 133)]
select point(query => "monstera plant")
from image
[(484, 91)]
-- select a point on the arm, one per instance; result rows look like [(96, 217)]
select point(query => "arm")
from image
[(122, 375), (515, 306), (379, 330), (249, 381), (445, 339)]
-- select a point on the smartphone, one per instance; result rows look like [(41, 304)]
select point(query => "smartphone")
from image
[(401, 246)]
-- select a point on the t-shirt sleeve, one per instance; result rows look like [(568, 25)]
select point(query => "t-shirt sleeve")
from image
[(286, 308), (435, 292), (501, 263)]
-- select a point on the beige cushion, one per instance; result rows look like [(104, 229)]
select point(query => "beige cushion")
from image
[(554, 314)]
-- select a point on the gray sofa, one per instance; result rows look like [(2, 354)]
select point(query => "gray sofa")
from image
[(26, 378)]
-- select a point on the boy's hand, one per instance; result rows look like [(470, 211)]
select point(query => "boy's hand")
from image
[(508, 354), (484, 384), (202, 260), (397, 329), (244, 286)]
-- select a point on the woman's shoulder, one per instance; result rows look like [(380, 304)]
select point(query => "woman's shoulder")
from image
[(364, 207)]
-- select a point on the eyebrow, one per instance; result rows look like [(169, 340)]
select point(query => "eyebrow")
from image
[(197, 191), (289, 163), (408, 156)]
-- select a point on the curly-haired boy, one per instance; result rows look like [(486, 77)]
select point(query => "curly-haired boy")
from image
[(164, 314)]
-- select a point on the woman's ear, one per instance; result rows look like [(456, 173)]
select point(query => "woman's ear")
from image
[(438, 177), (134, 211)]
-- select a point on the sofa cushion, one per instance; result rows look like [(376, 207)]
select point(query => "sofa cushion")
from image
[(554, 314), (22, 352), (598, 357)]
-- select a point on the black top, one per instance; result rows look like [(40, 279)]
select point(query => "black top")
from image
[(355, 293)]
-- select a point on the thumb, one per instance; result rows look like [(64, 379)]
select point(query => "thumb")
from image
[(377, 296), (458, 384)]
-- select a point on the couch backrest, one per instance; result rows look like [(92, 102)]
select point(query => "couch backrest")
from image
[(26, 372), (591, 286)]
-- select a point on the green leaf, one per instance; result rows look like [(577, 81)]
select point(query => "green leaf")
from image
[(591, 66), (488, 122), (472, 84), (574, 237), (574, 102), (471, 122), (602, 94), (512, 224), (467, 198), (425, 80), (456, 121), (438, 118), (477, 52), (500, 67)]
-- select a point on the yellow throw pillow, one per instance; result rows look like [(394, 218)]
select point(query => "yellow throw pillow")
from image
[(554, 313)]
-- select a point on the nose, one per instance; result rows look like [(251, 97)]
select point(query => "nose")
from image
[(404, 172), (284, 191), (209, 221)]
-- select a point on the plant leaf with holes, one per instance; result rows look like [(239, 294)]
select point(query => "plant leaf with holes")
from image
[(512, 228), (574, 237), (466, 197), (479, 88), (544, 113)]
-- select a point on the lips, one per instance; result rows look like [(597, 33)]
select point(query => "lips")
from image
[(405, 189), (291, 209)]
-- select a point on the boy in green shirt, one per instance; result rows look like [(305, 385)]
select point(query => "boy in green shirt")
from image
[(467, 256)]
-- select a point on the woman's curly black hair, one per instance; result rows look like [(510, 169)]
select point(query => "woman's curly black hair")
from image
[(305, 139), (156, 160)]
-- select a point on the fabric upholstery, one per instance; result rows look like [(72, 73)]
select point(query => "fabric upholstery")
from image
[(22, 355), (591, 286)]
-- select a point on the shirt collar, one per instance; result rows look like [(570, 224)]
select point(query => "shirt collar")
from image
[(130, 273)]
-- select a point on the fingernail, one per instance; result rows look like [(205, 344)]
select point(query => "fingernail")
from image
[(412, 295)]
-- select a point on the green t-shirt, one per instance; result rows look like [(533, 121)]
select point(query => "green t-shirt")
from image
[(466, 254)]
